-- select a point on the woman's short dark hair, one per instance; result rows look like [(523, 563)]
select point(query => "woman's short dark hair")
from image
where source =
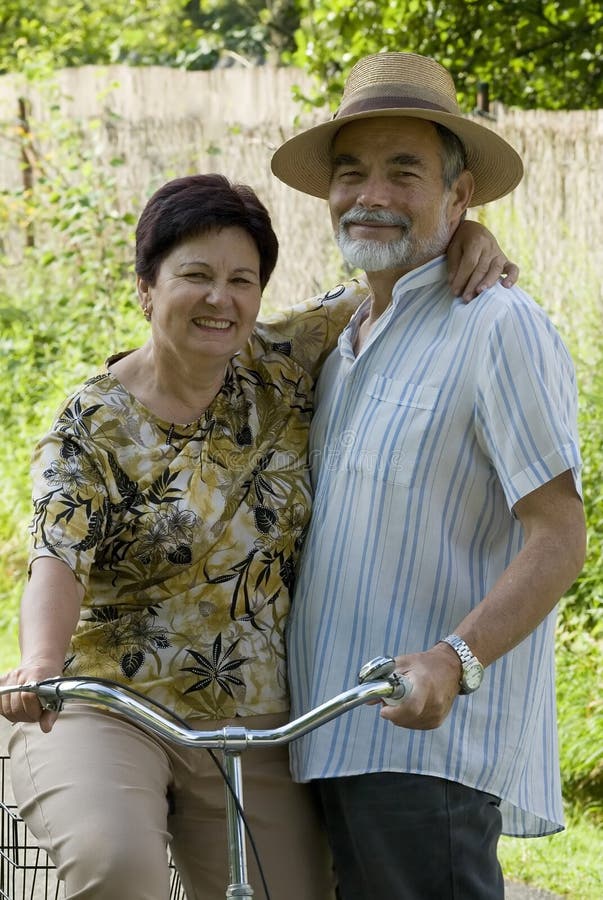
[(195, 205)]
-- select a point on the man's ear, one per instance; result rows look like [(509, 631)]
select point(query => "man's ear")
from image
[(461, 194)]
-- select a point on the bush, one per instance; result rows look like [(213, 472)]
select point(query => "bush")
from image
[(580, 634), (67, 300)]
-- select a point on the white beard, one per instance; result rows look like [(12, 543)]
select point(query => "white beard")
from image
[(404, 252)]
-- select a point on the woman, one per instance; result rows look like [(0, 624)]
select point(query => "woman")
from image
[(170, 500)]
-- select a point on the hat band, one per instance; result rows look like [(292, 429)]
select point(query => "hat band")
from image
[(360, 106)]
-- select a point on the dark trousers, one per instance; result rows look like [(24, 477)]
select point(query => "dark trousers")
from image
[(412, 837)]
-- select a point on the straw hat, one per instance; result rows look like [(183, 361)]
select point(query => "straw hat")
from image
[(400, 84)]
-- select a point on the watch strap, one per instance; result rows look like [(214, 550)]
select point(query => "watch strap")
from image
[(472, 669)]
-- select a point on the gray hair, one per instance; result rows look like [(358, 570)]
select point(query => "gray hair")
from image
[(454, 158)]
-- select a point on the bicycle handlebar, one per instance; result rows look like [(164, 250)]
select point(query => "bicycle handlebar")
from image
[(54, 692)]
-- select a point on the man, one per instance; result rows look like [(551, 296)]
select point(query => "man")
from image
[(447, 520)]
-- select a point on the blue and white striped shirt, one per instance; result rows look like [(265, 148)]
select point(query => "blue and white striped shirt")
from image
[(420, 447)]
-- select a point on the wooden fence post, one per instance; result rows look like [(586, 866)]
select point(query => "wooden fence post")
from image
[(483, 98), (27, 158)]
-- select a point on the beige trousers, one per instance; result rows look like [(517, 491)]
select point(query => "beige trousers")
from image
[(104, 798)]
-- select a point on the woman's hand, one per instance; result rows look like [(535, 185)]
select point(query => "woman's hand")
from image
[(49, 613), (23, 706), (476, 262)]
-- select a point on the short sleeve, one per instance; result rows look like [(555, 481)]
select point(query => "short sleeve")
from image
[(309, 331), (70, 503), (526, 408)]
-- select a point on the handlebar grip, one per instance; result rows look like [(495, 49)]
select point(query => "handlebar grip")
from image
[(383, 668), (46, 691), (403, 687)]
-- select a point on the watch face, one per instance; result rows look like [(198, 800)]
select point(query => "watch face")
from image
[(472, 676)]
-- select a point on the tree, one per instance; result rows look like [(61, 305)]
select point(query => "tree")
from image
[(60, 33), (190, 34), (532, 53), (255, 30)]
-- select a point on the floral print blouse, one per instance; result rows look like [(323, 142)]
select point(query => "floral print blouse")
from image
[(186, 537)]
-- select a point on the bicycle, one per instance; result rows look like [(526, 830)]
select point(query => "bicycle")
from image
[(377, 680)]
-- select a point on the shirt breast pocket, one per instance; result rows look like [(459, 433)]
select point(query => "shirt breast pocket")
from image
[(394, 419)]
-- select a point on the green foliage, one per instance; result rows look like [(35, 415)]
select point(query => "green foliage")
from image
[(567, 863), (531, 53), (580, 708), (67, 301), (60, 33), (581, 323), (583, 606), (253, 30), (580, 633), (190, 34)]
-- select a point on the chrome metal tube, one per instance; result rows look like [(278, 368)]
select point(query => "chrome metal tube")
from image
[(54, 692), (235, 829), (122, 701)]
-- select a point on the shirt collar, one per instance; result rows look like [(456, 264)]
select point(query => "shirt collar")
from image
[(431, 272)]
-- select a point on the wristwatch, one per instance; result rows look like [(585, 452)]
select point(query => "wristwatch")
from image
[(472, 669)]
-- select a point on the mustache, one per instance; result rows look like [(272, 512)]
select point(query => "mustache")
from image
[(358, 215)]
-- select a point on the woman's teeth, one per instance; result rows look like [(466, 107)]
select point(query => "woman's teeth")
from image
[(212, 323)]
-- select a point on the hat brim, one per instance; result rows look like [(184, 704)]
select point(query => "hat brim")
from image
[(304, 161)]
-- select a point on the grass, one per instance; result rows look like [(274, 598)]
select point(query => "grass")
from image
[(568, 863)]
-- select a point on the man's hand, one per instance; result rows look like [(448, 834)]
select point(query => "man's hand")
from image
[(552, 556), (476, 262), (435, 676)]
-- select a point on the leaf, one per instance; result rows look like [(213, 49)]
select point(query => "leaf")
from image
[(130, 663), (265, 518), (181, 556)]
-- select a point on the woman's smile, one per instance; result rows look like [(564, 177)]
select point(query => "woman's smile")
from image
[(213, 324)]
